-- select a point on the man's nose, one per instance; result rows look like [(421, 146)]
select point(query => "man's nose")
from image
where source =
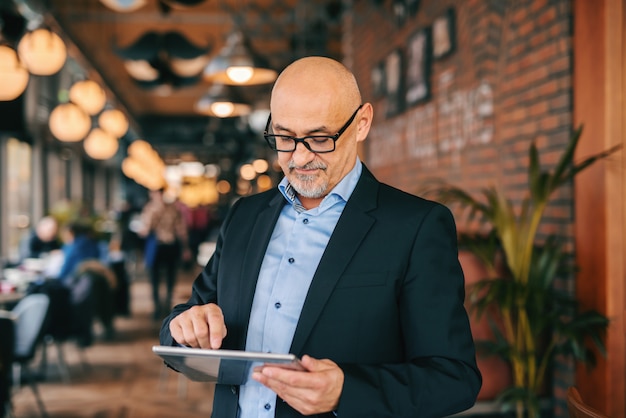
[(302, 155)]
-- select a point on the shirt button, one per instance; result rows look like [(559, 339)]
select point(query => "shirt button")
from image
[(267, 407), (305, 221), (291, 260), (277, 305)]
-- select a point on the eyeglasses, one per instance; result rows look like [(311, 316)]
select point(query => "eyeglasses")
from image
[(314, 143)]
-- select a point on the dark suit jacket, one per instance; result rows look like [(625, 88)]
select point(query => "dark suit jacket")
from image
[(386, 303)]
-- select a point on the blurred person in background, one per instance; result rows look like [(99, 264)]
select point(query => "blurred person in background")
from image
[(78, 245), (167, 244), (44, 239), (81, 270), (200, 220)]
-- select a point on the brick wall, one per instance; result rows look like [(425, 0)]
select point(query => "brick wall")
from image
[(506, 82)]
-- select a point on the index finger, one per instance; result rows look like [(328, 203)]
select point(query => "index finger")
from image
[(200, 327), (217, 327)]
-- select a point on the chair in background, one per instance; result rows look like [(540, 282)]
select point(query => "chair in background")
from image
[(577, 407), (73, 311), (58, 328), (7, 336), (30, 314)]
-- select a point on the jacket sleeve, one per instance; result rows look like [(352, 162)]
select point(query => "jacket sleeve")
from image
[(439, 376), (204, 288)]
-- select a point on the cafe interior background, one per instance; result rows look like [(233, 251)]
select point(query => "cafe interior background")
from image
[(138, 97)]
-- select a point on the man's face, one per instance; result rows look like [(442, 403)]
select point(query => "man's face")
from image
[(314, 175)]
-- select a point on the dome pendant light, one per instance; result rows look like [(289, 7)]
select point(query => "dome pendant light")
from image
[(42, 51), (124, 6), (222, 101), (114, 122), (13, 75), (69, 123), (100, 145), (238, 64), (89, 96)]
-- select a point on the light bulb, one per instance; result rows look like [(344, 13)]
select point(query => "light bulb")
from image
[(222, 109), (13, 76), (89, 96), (240, 74), (114, 122), (69, 123), (100, 145), (42, 51)]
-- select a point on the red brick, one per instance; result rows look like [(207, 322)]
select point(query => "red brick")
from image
[(538, 38), (548, 16), (525, 28), (537, 5), (549, 122), (519, 15)]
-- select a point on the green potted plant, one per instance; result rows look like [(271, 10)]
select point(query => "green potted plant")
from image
[(532, 320)]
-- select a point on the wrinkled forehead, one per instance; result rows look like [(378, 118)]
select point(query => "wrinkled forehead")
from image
[(306, 118), (307, 103)]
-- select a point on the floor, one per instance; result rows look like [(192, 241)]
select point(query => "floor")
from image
[(121, 378)]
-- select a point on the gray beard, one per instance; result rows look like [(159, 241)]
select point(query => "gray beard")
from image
[(305, 185)]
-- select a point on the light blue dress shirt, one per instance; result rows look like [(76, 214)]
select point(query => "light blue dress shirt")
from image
[(293, 254)]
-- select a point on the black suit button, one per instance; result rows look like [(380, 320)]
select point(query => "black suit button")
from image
[(291, 260)]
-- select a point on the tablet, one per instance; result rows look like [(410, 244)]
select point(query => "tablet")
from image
[(229, 367)]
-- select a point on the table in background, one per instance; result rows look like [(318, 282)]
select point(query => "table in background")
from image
[(8, 300)]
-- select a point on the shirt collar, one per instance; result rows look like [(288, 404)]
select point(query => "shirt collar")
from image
[(343, 190)]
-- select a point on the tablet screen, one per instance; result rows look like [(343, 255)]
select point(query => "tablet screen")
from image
[(230, 367)]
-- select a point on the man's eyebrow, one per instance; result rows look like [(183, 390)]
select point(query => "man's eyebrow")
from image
[(323, 129)]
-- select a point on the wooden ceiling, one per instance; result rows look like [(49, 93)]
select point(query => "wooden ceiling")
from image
[(280, 30)]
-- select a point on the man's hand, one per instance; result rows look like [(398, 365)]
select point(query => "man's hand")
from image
[(201, 326), (314, 391)]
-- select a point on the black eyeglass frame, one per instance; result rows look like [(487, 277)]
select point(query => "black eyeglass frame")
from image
[(302, 140)]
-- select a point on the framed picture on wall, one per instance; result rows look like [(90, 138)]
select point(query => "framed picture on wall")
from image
[(412, 6), (444, 34), (377, 78), (418, 63), (400, 11), (394, 83)]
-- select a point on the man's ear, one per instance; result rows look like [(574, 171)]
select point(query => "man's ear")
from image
[(364, 121)]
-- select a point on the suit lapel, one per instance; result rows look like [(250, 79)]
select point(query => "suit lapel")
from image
[(351, 228), (263, 227)]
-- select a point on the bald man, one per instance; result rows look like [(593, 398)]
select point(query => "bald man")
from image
[(359, 279)]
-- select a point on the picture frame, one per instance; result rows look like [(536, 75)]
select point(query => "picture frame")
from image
[(444, 34), (412, 7), (400, 11), (418, 67), (394, 83), (377, 79)]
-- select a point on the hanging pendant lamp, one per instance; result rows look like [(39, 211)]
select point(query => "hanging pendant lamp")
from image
[(238, 64), (169, 58), (42, 51), (69, 123), (13, 75), (222, 101), (100, 145), (114, 122), (124, 6), (89, 96)]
